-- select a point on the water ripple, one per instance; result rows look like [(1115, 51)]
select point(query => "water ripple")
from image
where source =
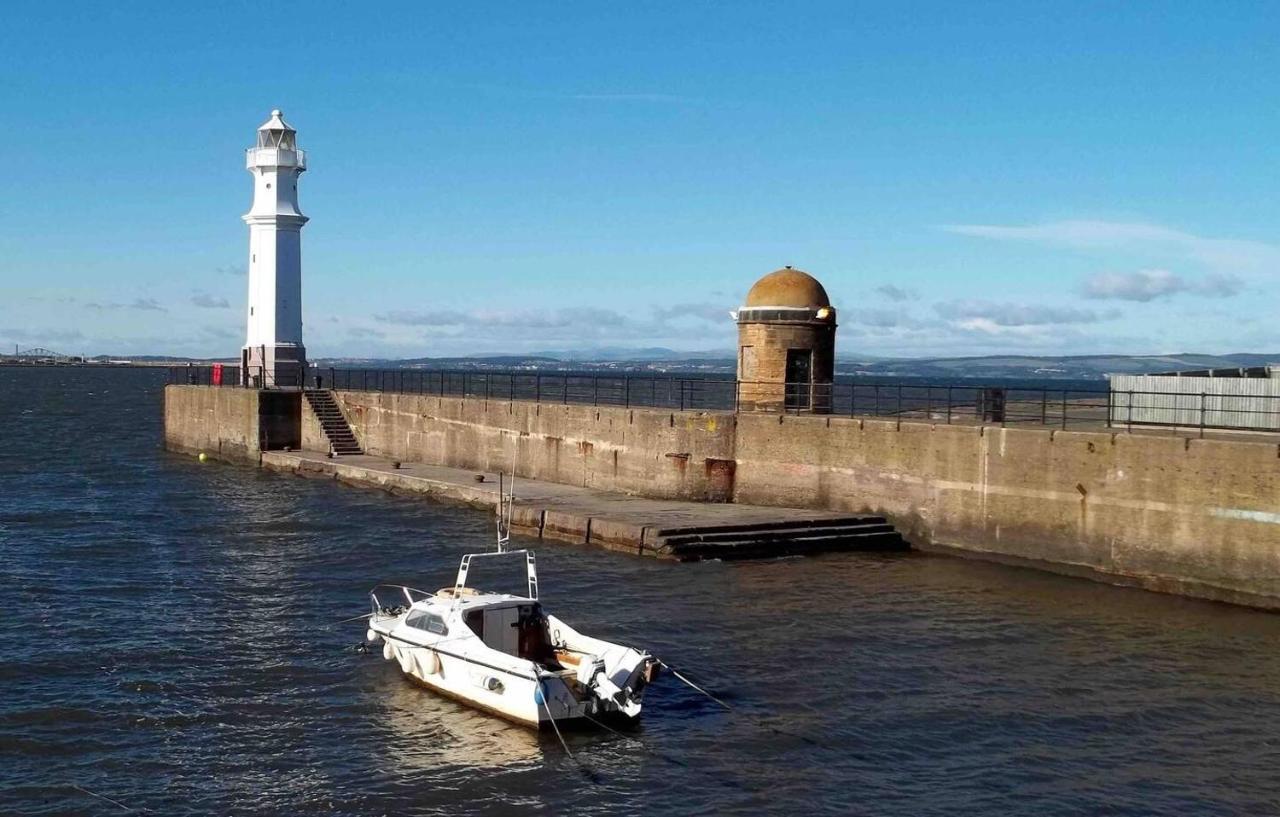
[(170, 642)]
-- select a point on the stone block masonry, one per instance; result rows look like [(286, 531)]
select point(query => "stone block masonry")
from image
[(659, 454), (230, 424), (1189, 516)]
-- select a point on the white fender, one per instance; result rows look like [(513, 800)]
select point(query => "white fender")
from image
[(406, 659), (388, 651), (370, 636), (428, 663)]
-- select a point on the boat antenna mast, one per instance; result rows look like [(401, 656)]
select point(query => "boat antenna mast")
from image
[(505, 508)]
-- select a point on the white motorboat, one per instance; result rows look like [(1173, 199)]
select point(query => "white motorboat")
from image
[(503, 654)]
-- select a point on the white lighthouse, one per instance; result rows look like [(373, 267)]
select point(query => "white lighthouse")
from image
[(273, 354)]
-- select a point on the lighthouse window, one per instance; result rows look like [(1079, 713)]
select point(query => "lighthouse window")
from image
[(268, 185)]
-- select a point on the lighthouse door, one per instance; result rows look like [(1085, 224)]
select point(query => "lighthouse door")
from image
[(799, 375)]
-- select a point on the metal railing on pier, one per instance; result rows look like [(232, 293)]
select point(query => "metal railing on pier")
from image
[(943, 404)]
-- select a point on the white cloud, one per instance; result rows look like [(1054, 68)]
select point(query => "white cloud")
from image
[(700, 311), (41, 336), (979, 314), (142, 304), (897, 293), (565, 323), (1216, 253), (205, 301), (438, 317), (1152, 284)]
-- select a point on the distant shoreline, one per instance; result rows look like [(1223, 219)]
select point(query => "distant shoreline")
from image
[(144, 364)]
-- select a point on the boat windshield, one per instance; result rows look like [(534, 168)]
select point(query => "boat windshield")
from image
[(426, 620)]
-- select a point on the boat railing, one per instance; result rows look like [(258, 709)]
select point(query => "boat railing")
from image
[(407, 592), (531, 570)]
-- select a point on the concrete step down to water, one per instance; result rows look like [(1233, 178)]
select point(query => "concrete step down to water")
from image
[(665, 529)]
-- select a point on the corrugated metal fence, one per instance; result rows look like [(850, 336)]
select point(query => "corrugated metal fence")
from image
[(1208, 402)]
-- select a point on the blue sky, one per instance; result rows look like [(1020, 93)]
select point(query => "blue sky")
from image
[(966, 178)]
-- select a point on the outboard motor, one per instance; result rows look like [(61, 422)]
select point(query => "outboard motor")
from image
[(593, 674)]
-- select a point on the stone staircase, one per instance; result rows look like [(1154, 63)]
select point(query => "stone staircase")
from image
[(766, 540), (342, 440)]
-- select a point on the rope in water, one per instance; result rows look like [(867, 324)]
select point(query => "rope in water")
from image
[(541, 697), (759, 721), (80, 788), (693, 685)]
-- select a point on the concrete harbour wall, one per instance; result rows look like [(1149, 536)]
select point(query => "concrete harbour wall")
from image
[(1199, 517), (228, 423), (1190, 516), (666, 455)]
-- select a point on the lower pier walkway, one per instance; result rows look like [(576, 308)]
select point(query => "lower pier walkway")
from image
[(670, 529)]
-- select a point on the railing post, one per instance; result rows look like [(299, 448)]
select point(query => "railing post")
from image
[(1202, 415), (626, 384), (595, 389), (564, 388), (1064, 408), (682, 395), (876, 412), (511, 387), (537, 388), (1044, 407), (949, 404)]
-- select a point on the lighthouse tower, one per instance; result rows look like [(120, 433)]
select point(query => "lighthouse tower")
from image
[(273, 355)]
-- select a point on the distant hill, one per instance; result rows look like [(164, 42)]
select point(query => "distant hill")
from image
[(658, 360), (988, 367), (1070, 367)]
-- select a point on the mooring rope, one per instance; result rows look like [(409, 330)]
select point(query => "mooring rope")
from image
[(80, 788), (542, 699), (757, 719), (693, 685), (353, 618)]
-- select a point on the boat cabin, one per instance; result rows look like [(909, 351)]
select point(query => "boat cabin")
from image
[(518, 628)]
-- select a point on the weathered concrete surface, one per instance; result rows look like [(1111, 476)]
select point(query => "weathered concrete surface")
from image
[(565, 512), (219, 422), (661, 454), (312, 433), (229, 423), (1190, 516), (1197, 517)]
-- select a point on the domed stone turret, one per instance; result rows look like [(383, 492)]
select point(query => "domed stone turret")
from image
[(788, 287), (786, 344)]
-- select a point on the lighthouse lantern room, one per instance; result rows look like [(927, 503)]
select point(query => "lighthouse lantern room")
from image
[(273, 355)]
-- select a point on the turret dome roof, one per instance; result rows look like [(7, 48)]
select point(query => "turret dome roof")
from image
[(789, 288)]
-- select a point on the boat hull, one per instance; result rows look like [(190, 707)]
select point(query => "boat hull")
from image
[(507, 692)]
